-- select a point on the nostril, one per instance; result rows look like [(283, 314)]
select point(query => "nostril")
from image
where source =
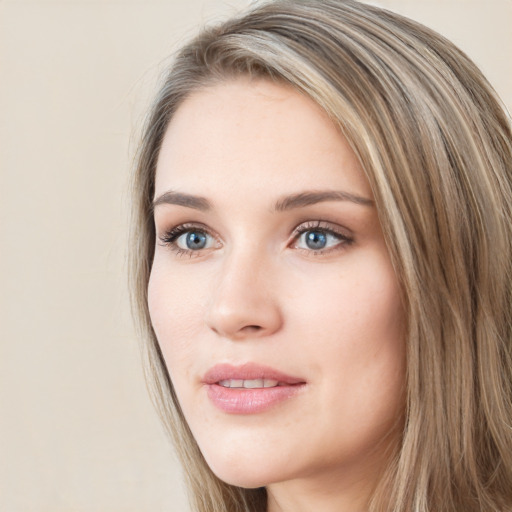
[(252, 328)]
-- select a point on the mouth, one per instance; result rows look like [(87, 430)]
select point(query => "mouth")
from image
[(249, 388), (249, 375), (250, 383)]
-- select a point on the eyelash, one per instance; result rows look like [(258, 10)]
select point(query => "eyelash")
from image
[(325, 228), (170, 237)]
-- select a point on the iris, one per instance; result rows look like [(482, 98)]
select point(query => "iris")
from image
[(196, 240), (316, 240)]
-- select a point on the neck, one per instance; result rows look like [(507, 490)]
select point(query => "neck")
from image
[(328, 494), (341, 489)]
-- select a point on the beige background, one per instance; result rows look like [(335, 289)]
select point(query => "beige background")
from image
[(77, 430)]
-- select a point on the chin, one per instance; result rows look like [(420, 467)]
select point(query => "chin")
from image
[(246, 477), (245, 472)]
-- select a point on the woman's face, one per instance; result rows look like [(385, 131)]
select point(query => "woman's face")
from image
[(272, 293)]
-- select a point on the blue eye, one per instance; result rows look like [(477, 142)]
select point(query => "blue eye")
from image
[(315, 240), (189, 239), (319, 239), (193, 240)]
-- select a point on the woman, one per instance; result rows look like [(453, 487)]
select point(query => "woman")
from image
[(322, 265)]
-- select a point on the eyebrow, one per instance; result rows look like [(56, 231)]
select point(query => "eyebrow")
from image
[(181, 199), (308, 198), (290, 202)]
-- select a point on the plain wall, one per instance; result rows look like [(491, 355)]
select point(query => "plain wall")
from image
[(77, 429)]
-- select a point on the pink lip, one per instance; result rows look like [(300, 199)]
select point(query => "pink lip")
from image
[(249, 401), (247, 371)]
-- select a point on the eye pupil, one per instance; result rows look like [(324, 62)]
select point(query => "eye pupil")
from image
[(196, 240), (316, 240)]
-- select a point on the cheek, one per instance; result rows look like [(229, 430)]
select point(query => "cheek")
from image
[(360, 304), (353, 329), (174, 307)]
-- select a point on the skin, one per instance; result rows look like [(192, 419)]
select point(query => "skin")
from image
[(257, 292)]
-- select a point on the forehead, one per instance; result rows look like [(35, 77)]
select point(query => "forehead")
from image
[(255, 134)]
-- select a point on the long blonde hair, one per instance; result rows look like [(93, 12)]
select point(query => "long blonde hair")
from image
[(436, 146)]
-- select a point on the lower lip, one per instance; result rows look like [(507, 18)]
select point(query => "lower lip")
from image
[(250, 401)]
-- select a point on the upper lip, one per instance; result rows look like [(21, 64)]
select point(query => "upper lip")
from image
[(247, 371)]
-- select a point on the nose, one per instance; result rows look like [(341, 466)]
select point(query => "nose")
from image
[(244, 304)]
